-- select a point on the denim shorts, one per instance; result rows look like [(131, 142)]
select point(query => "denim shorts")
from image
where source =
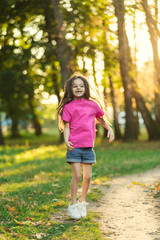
[(81, 155)]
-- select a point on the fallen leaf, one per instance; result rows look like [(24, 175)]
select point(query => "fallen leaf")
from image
[(35, 224), (19, 223), (12, 209), (49, 223), (143, 185), (29, 218), (14, 199), (75, 228), (158, 188), (64, 236), (3, 192), (36, 177), (50, 193), (58, 204), (97, 182), (135, 183)]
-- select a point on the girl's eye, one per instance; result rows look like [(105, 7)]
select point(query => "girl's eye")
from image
[(74, 86)]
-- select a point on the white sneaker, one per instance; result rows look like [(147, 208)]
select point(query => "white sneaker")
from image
[(74, 211), (82, 208)]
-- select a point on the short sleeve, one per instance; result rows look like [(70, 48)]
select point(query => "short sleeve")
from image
[(66, 116), (99, 111)]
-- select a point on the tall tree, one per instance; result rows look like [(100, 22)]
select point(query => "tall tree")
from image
[(1, 134), (64, 53), (15, 61), (115, 111), (154, 33), (130, 130), (126, 70)]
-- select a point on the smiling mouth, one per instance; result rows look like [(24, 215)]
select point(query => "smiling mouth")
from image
[(79, 92)]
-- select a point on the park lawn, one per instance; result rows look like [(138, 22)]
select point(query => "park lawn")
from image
[(35, 184)]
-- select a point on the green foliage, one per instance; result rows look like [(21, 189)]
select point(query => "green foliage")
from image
[(28, 59), (23, 43)]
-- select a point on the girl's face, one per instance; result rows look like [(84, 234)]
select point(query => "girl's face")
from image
[(78, 88)]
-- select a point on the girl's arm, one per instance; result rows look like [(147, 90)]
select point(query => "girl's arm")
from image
[(110, 134), (66, 134)]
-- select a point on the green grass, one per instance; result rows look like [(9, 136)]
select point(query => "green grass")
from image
[(30, 139), (94, 195), (35, 183), (121, 158)]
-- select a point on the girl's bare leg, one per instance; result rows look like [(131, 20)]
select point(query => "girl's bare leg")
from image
[(76, 168), (87, 173)]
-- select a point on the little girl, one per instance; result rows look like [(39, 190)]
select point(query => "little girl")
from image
[(76, 117)]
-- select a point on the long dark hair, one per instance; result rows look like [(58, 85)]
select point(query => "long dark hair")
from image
[(68, 96)]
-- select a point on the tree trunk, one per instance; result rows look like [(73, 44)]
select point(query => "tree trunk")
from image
[(35, 120), (153, 131), (37, 126), (136, 120), (48, 21), (14, 127), (64, 53), (149, 122), (152, 28), (130, 130), (93, 66), (115, 114), (134, 63), (84, 70), (1, 135)]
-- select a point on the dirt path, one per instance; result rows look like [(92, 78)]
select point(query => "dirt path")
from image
[(128, 210)]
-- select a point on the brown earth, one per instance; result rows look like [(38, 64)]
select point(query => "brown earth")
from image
[(128, 208)]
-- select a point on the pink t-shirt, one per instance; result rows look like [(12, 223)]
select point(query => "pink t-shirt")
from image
[(81, 115)]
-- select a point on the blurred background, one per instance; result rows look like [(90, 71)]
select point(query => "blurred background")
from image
[(115, 44)]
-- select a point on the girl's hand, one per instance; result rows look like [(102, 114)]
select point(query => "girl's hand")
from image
[(110, 135), (69, 145)]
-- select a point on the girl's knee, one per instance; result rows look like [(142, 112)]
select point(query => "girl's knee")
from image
[(87, 178), (77, 177)]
